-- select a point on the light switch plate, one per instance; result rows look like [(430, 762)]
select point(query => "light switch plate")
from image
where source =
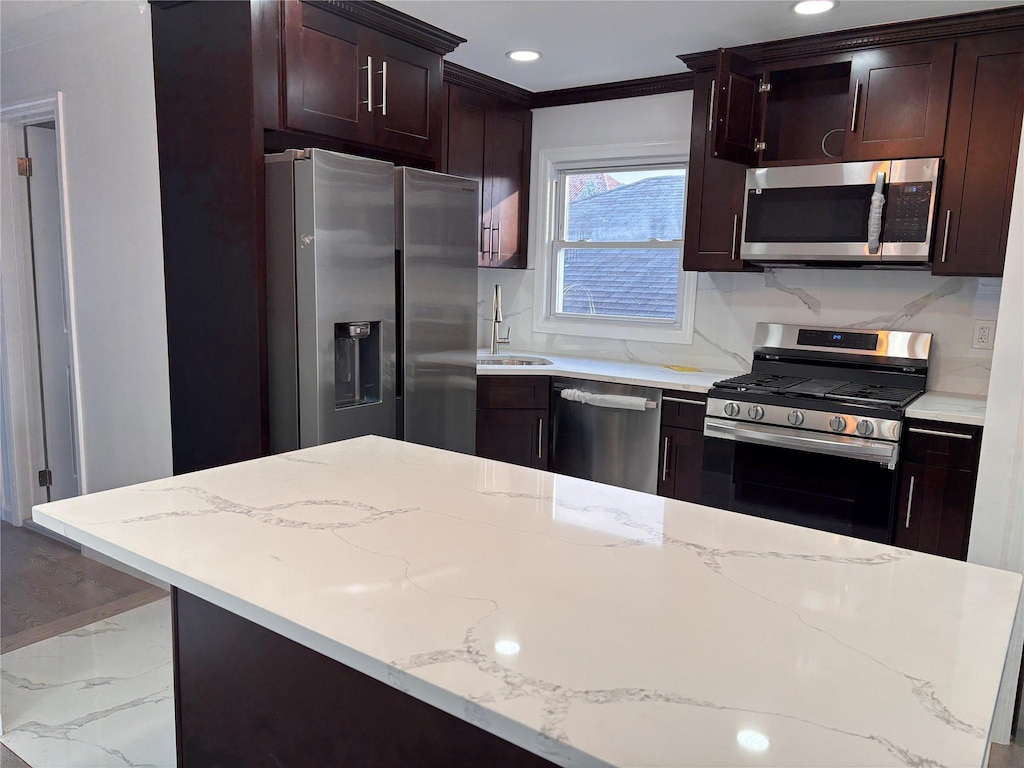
[(984, 334)]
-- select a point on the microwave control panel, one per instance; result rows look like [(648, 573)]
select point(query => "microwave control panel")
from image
[(907, 208)]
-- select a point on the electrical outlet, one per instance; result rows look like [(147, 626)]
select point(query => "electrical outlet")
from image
[(984, 334)]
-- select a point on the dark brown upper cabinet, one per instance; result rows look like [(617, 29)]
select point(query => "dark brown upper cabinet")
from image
[(985, 113), (898, 101), (736, 107), (348, 81), (488, 139), (714, 192)]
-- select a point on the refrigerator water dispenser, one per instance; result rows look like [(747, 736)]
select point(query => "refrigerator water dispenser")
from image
[(356, 363)]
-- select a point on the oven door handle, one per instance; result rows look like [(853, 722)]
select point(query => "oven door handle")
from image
[(832, 445)]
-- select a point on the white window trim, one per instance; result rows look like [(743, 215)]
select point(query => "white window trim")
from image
[(550, 163)]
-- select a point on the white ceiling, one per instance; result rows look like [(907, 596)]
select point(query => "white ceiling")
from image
[(598, 41)]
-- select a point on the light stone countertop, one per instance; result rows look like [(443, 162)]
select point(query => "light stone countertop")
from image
[(932, 406), (949, 406), (592, 625)]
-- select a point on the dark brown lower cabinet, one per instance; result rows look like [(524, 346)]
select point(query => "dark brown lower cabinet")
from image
[(681, 455), (935, 510), (515, 436), (512, 423), (681, 452)]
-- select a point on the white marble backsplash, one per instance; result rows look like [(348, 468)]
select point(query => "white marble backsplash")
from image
[(729, 305)]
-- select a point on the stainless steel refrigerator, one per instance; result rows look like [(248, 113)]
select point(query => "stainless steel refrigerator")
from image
[(371, 302)]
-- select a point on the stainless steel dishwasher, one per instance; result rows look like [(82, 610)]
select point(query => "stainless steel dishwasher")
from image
[(597, 436)]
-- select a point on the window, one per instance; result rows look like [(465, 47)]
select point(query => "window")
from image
[(612, 265)]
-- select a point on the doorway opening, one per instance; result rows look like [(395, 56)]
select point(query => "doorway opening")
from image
[(40, 417)]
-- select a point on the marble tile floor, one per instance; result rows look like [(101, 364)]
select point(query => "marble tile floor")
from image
[(96, 697)]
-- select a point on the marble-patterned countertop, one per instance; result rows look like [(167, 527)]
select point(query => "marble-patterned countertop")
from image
[(932, 406), (592, 625), (949, 406), (617, 371)]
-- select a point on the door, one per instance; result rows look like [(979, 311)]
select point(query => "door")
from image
[(52, 315), (898, 101), (934, 514), (514, 436), (986, 109), (682, 453), (437, 243), (329, 73), (737, 106), (507, 142), (467, 112), (407, 95)]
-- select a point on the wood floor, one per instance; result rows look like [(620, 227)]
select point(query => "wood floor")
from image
[(47, 588)]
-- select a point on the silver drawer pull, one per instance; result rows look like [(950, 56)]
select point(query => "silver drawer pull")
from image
[(664, 461), (938, 433), (668, 399), (910, 500), (540, 438)]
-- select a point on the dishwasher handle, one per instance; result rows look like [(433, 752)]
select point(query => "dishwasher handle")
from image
[(621, 402)]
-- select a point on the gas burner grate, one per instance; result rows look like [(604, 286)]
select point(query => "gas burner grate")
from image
[(873, 393), (759, 382)]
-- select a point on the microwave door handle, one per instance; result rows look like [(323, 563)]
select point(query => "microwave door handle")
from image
[(875, 213)]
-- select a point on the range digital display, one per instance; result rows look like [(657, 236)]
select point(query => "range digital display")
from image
[(838, 339)]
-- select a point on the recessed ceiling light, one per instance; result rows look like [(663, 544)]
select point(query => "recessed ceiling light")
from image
[(524, 55), (810, 7)]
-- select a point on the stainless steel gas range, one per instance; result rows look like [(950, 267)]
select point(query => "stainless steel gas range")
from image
[(811, 435)]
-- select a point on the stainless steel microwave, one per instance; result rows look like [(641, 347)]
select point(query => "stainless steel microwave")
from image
[(877, 213)]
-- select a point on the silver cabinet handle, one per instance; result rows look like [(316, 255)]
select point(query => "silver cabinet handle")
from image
[(668, 399), (540, 438), (735, 226), (664, 460), (945, 234), (498, 228), (383, 88), (939, 433), (711, 107), (485, 239), (910, 500), (856, 103), (369, 83)]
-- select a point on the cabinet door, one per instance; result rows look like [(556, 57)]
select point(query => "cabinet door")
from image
[(327, 77), (679, 472), (467, 111), (514, 436), (737, 106), (407, 97), (508, 159), (714, 195), (898, 101), (934, 513), (985, 113)]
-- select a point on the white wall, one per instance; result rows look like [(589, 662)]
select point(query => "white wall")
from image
[(728, 305), (997, 533), (99, 54)]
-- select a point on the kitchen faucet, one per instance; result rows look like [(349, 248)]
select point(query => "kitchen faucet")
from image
[(496, 320)]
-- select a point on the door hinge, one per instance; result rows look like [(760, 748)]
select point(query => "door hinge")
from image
[(24, 166), (759, 146), (763, 87), (45, 478)]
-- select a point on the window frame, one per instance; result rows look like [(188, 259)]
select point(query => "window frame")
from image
[(554, 164)]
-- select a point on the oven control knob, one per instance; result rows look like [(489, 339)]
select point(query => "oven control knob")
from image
[(865, 427), (837, 424), (756, 412), (796, 418), (731, 409)]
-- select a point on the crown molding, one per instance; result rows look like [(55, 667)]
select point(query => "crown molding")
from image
[(391, 22), (897, 33), (622, 89), (456, 74)]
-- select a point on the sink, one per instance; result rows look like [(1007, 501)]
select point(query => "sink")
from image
[(512, 360)]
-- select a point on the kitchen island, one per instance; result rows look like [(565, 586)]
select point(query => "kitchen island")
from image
[(371, 602)]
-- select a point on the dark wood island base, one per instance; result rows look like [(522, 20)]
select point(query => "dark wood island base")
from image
[(247, 696)]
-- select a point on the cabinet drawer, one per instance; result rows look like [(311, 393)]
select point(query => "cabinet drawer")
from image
[(939, 444), (509, 392), (684, 410)]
